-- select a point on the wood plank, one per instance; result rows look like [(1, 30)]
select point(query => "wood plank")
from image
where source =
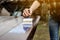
[(5, 29), (16, 36), (5, 26)]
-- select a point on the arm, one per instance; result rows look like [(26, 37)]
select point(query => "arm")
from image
[(28, 12), (34, 6)]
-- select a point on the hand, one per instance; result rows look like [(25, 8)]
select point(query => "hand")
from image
[(27, 12)]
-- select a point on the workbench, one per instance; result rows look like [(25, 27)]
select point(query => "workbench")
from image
[(16, 32)]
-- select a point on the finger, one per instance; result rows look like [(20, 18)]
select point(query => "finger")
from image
[(26, 13), (23, 14)]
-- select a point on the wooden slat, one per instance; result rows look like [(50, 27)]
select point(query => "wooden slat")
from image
[(5, 26)]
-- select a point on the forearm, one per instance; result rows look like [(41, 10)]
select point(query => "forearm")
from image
[(34, 6)]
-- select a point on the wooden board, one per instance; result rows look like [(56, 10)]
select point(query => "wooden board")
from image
[(6, 26), (7, 23)]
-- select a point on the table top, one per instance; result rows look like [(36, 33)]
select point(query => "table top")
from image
[(11, 29)]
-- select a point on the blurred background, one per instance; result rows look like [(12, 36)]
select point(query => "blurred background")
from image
[(8, 7)]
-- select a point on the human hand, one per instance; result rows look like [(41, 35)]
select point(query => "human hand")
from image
[(27, 12)]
